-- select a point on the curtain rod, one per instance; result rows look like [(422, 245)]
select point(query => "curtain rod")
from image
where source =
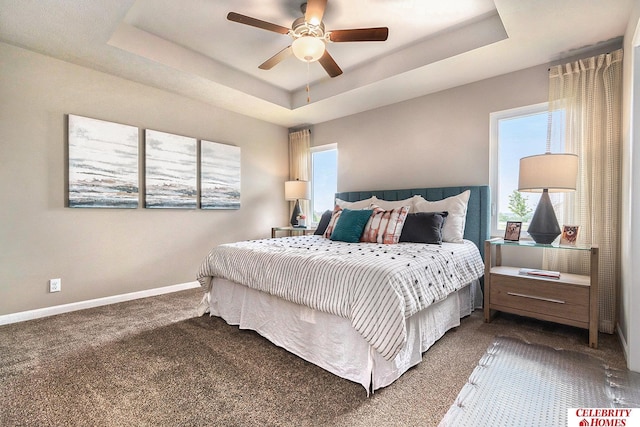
[(299, 129), (606, 53)]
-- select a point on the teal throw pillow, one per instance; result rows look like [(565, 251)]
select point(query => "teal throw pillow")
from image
[(351, 225)]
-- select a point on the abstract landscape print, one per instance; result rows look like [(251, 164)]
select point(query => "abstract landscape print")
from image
[(219, 176), (103, 164), (171, 170)]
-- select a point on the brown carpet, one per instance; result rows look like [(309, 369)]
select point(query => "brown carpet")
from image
[(152, 362)]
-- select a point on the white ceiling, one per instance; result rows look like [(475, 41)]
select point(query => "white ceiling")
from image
[(189, 47)]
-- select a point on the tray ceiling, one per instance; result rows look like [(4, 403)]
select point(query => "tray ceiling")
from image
[(189, 47)]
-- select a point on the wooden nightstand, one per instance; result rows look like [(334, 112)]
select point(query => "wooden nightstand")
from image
[(570, 300), (289, 229)]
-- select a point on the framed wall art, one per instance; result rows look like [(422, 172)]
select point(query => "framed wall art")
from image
[(219, 176), (103, 164), (170, 171)]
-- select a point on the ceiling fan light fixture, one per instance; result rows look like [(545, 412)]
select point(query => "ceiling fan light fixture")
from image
[(308, 48), (314, 21), (310, 38)]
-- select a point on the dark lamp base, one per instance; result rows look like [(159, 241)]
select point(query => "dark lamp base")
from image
[(544, 228), (543, 239), (294, 215)]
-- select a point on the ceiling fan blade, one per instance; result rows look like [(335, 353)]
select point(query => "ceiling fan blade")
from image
[(276, 59), (247, 20), (315, 11), (378, 34), (329, 64)]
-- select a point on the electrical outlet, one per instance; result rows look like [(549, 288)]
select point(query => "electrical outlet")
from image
[(55, 285)]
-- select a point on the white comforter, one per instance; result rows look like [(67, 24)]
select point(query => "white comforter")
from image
[(375, 286)]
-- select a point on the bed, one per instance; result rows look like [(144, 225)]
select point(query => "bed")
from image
[(365, 311)]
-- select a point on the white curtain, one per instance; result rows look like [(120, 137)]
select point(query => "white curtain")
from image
[(589, 92), (300, 161)]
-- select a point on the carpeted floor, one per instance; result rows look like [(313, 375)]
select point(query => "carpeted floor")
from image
[(152, 362)]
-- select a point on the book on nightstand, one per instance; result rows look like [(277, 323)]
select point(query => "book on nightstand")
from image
[(540, 273)]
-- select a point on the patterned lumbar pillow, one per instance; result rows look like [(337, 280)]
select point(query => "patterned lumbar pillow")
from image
[(335, 216), (385, 226)]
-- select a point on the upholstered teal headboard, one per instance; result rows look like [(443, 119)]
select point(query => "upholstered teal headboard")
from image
[(477, 227)]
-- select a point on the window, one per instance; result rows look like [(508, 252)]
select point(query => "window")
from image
[(516, 133), (324, 179)]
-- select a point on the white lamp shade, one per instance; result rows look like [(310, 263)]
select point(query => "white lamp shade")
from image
[(553, 172), (294, 190), (308, 48)]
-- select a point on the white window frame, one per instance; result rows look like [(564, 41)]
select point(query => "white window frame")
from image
[(318, 149), (494, 140)]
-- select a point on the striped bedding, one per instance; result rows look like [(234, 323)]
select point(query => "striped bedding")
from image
[(375, 286)]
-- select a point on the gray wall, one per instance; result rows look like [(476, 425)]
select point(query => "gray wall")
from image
[(106, 252), (435, 140)]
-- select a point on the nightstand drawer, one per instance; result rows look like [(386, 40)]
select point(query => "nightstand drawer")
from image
[(547, 298)]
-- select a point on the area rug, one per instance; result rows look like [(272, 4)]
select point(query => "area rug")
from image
[(520, 384)]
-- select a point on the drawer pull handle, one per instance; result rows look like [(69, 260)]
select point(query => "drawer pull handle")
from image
[(514, 294)]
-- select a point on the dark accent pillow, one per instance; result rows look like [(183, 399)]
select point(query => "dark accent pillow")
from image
[(324, 221), (351, 224), (423, 227)]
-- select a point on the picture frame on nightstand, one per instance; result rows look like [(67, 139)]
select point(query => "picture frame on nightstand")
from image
[(569, 235), (512, 231)]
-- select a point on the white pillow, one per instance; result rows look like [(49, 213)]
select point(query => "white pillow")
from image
[(387, 205), (453, 228), (360, 204)]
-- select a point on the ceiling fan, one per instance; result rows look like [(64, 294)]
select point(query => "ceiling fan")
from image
[(310, 37)]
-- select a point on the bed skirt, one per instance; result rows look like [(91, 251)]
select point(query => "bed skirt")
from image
[(329, 341)]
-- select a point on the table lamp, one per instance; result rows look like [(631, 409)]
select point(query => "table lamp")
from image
[(545, 173), (296, 190)]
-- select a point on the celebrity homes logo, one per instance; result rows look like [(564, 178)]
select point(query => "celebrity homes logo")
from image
[(603, 417)]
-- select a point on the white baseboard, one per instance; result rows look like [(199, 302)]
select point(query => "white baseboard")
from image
[(81, 305)]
